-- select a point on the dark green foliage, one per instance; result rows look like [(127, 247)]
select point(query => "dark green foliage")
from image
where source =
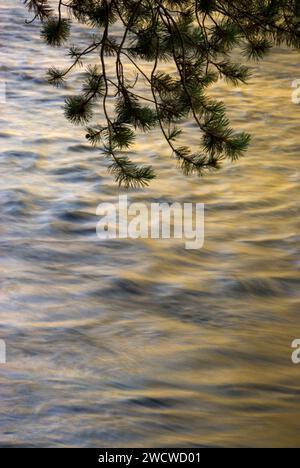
[(93, 85), (55, 76), (56, 31), (195, 39), (257, 48), (78, 110), (40, 8), (122, 136), (130, 111), (129, 174)]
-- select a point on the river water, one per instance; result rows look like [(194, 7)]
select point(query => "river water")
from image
[(142, 343)]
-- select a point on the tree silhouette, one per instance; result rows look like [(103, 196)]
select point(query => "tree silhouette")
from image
[(195, 38)]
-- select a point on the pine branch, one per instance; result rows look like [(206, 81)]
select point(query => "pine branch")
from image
[(195, 38)]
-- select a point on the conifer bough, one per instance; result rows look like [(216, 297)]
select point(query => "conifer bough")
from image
[(195, 39)]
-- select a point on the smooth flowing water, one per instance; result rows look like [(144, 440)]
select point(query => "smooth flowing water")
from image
[(143, 343)]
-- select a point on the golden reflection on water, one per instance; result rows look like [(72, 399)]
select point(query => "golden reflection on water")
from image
[(144, 343)]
